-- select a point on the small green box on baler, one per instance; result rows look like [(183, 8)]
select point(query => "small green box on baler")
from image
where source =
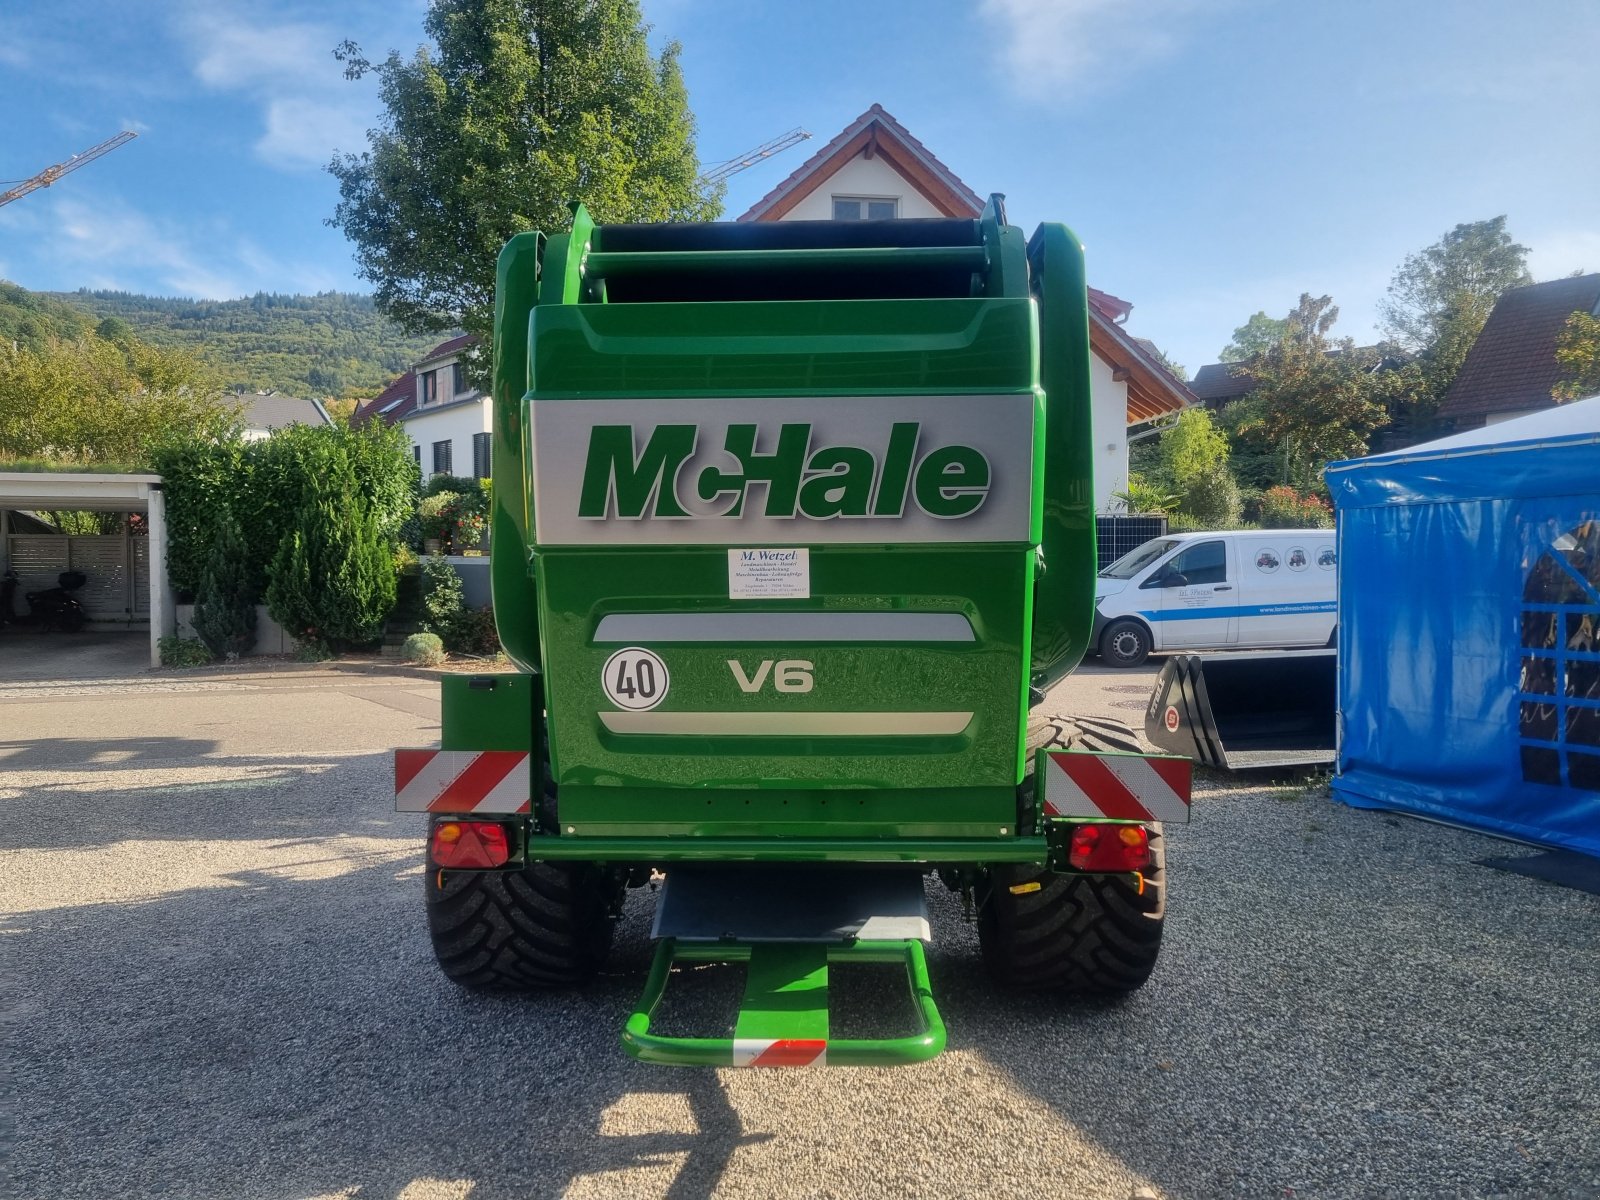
[(490, 712)]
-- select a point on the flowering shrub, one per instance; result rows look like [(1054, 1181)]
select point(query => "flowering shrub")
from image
[(456, 520), (1284, 508)]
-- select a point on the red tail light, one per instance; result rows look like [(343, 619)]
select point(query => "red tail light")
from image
[(469, 845), (1109, 848)]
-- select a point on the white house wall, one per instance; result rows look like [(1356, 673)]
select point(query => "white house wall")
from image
[(1108, 406), (862, 177), (456, 424)]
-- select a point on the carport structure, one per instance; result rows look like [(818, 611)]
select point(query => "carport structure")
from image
[(67, 491)]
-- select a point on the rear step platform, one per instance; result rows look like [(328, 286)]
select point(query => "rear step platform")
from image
[(787, 927)]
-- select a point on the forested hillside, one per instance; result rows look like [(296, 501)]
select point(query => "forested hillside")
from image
[(330, 344), (30, 319)]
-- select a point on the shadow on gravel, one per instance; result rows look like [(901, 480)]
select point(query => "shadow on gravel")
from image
[(259, 796), (1344, 1007), (287, 1037), (79, 753)]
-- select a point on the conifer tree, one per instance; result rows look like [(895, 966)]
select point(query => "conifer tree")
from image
[(225, 605)]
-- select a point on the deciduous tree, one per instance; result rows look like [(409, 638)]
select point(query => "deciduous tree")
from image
[(1314, 397), (1451, 285), (89, 400), (516, 108), (1254, 337), (1578, 352)]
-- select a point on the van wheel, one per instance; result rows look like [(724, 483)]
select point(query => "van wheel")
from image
[(1124, 644)]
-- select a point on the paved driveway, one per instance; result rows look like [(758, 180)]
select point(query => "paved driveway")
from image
[(221, 986), (27, 654)]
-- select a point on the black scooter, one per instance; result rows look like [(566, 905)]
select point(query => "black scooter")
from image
[(57, 608)]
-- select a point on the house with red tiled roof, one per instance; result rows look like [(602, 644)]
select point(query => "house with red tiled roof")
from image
[(876, 170), (1512, 367), (447, 419)]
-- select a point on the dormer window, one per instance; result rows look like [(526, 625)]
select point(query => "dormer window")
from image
[(866, 208), (458, 379), (430, 387)]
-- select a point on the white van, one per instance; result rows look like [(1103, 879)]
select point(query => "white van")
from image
[(1228, 590)]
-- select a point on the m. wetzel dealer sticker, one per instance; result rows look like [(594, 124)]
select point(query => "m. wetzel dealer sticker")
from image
[(635, 678)]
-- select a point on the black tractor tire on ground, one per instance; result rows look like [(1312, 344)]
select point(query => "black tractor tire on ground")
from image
[(548, 925), (1095, 935), (1124, 644)]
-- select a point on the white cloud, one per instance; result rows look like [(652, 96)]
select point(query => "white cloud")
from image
[(1051, 45), (1563, 251), (111, 245), (306, 132), (309, 110)]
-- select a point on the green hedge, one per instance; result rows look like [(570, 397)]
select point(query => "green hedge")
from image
[(267, 484), (316, 513)]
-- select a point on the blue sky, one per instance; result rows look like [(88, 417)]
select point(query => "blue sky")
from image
[(1216, 156)]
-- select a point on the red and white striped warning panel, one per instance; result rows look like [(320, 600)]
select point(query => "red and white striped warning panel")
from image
[(780, 1052), (1119, 787), (462, 781)]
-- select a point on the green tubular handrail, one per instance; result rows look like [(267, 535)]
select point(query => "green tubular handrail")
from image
[(801, 1024)]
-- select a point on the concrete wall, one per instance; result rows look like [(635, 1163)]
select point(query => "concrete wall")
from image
[(474, 572), (862, 177), (270, 637)]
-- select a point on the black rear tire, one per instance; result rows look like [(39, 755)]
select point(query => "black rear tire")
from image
[(1124, 644), (1084, 934), (548, 925), (1097, 935)]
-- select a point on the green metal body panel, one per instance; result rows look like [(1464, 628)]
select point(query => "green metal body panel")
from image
[(786, 997), (769, 847), (911, 416)]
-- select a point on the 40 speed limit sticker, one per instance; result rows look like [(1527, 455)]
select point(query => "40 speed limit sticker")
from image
[(635, 678)]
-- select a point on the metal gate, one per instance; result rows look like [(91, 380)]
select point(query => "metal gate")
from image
[(117, 567)]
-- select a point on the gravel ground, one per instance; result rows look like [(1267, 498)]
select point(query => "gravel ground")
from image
[(219, 985)]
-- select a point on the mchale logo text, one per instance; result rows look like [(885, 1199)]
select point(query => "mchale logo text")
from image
[(623, 481)]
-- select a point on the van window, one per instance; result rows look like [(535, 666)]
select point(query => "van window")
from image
[(1206, 562), (1134, 561)]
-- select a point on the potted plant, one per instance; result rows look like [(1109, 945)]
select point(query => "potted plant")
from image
[(437, 515)]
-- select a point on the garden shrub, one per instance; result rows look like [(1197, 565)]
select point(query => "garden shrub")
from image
[(445, 613), (443, 598), (225, 604), (1147, 496), (1212, 498), (457, 520), (424, 649), (437, 513), (1284, 508), (474, 632), (461, 485), (182, 652)]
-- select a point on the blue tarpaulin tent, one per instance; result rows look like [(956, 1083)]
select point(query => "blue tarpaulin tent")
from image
[(1469, 628)]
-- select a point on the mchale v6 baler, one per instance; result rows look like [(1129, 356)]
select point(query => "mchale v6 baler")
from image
[(793, 524)]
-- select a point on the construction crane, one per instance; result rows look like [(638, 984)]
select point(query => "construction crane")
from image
[(751, 157), (50, 174)]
